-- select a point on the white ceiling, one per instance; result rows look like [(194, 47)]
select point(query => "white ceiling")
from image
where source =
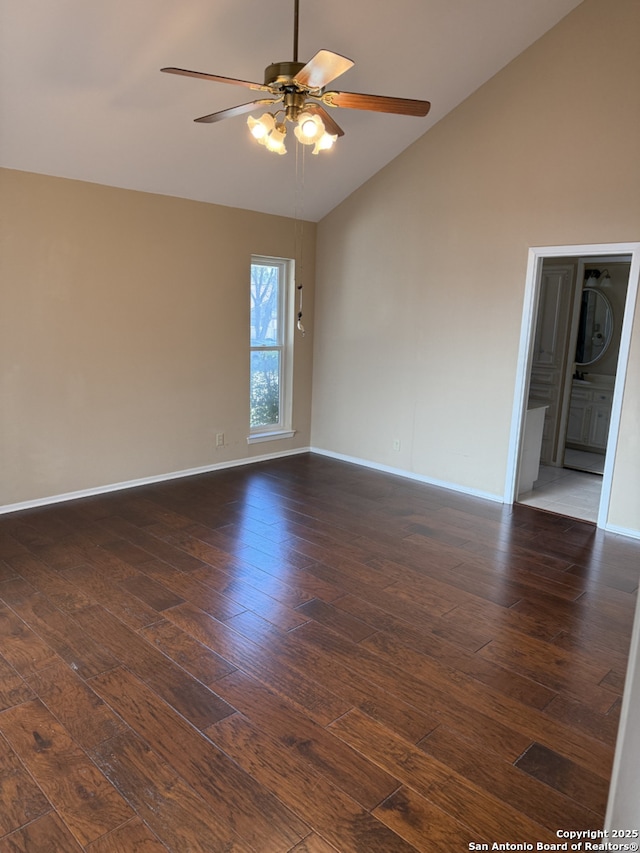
[(81, 94)]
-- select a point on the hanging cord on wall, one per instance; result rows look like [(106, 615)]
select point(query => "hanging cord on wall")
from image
[(299, 323), (299, 230)]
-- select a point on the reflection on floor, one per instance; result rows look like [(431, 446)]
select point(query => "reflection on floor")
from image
[(583, 460), (573, 493)]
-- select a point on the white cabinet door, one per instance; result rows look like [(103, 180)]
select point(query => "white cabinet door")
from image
[(599, 427), (578, 424), (553, 316)]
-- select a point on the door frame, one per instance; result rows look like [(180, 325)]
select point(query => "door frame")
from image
[(525, 353)]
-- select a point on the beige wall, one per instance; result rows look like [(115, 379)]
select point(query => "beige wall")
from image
[(124, 314), (421, 272), (124, 334)]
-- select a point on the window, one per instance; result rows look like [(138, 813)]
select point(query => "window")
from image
[(271, 345)]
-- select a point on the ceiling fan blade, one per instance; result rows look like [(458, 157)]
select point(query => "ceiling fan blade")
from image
[(234, 111), (217, 79), (321, 69), (330, 125), (377, 103)]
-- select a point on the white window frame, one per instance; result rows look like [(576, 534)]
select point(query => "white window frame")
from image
[(283, 429)]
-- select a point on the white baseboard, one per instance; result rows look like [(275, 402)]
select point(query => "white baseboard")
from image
[(145, 481), (408, 475), (235, 463), (622, 531)]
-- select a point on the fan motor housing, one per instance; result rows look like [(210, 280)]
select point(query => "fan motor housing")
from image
[(281, 73)]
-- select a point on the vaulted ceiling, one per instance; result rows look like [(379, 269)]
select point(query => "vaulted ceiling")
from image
[(82, 96)]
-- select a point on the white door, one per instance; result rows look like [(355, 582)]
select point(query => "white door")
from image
[(549, 357)]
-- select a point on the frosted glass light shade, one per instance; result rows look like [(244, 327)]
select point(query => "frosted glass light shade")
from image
[(275, 140), (325, 142), (309, 129), (260, 128)]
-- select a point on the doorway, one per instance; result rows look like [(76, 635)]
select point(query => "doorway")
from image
[(573, 355)]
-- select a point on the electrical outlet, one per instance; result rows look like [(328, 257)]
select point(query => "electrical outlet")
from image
[(219, 439), (396, 444)]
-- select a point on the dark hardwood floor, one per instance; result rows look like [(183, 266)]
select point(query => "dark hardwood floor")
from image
[(304, 655)]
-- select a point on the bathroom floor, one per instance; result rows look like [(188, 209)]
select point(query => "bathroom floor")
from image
[(582, 460), (566, 492)]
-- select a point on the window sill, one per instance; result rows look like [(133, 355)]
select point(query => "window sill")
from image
[(257, 437)]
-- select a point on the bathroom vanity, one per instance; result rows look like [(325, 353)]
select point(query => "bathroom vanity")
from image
[(590, 412)]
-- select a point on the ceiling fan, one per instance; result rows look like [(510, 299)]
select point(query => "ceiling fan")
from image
[(300, 88)]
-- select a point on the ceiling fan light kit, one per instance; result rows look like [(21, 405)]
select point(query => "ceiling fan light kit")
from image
[(310, 130), (300, 90)]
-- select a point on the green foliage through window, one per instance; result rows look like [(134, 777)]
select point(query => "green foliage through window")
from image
[(265, 388)]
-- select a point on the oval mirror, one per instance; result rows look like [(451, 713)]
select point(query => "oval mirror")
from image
[(595, 327)]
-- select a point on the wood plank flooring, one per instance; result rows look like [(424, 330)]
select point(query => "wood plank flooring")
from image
[(304, 655)]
